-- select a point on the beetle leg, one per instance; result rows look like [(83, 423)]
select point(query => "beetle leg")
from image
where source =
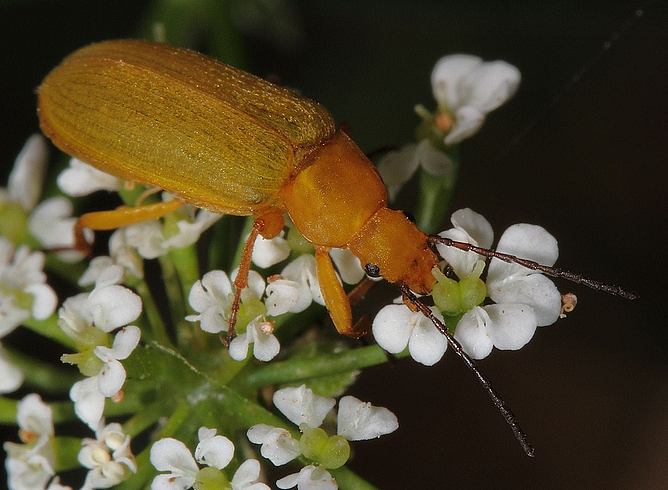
[(268, 225), (123, 216), (335, 297)]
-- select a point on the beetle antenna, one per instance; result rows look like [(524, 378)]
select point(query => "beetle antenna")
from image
[(530, 264), (470, 363)]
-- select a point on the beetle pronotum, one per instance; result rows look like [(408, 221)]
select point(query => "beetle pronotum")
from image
[(224, 140)]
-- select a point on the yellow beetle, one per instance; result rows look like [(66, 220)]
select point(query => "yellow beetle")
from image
[(224, 140)]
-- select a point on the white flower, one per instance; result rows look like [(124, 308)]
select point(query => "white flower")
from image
[(108, 457), (81, 179), (89, 394), (302, 406), (309, 478), (212, 297), (111, 305), (20, 275), (278, 446), (259, 333), (213, 450), (172, 455), (524, 298), (468, 89), (469, 227), (31, 465), (296, 289), (112, 374), (358, 420), (396, 327)]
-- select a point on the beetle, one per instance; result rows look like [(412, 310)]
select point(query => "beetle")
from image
[(224, 140)]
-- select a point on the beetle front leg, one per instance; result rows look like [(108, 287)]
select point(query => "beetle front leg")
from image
[(268, 225), (336, 299)]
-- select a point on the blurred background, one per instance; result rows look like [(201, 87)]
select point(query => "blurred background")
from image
[(580, 150)]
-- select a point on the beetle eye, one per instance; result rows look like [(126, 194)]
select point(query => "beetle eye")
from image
[(410, 217), (372, 270)]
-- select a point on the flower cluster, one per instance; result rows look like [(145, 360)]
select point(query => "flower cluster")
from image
[(356, 421), (144, 358)]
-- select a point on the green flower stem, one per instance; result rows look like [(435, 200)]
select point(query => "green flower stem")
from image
[(435, 194), (42, 375), (7, 411), (49, 328), (143, 419), (303, 369), (66, 450), (153, 314), (62, 412), (348, 480), (68, 271)]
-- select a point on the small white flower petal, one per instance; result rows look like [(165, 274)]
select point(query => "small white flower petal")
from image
[(80, 179), (427, 345), (88, 401), (511, 326), (536, 291), (309, 478), (246, 476), (392, 327), (11, 376), (301, 406), (24, 184), (216, 451), (111, 377), (44, 300), (270, 252), (35, 416), (446, 76), (528, 241), (348, 265), (189, 232), (359, 421), (471, 333), (435, 162), (491, 84), (172, 455), (469, 227), (468, 121), (283, 296), (397, 167), (113, 306), (278, 446), (146, 238), (126, 341)]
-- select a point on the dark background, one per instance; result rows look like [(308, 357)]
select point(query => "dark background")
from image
[(581, 150)]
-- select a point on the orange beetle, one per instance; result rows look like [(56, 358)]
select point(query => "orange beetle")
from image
[(224, 140)]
